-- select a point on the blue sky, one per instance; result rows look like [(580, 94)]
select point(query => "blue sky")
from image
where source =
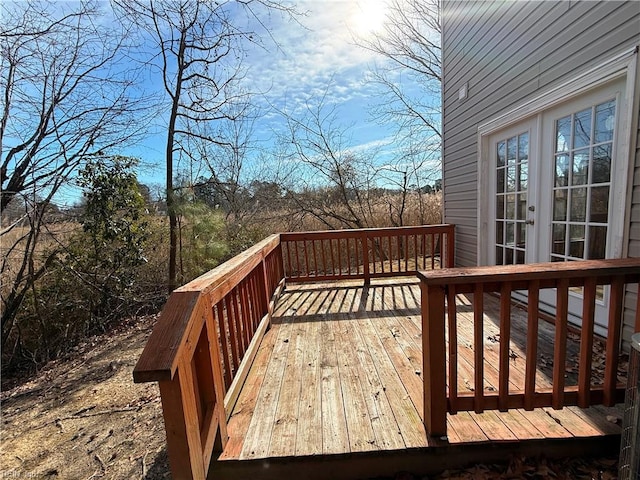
[(314, 55)]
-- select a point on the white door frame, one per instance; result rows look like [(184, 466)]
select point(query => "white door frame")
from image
[(622, 65)]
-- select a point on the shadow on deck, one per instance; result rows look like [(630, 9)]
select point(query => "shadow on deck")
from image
[(336, 391)]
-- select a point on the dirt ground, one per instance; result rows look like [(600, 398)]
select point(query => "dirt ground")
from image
[(83, 418)]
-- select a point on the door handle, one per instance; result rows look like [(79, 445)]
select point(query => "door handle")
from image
[(529, 222)]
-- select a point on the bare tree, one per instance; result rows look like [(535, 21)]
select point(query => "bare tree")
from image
[(410, 76), (198, 47), (329, 173), (66, 97)]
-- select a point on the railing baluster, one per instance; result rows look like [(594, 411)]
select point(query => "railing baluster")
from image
[(531, 364), (324, 257), (433, 251), (390, 238), (297, 254), (478, 346), (289, 264), (247, 321), (365, 258), (221, 328), (505, 339), (405, 242), (305, 252), (586, 342), (453, 348), (348, 256), (233, 336), (613, 341), (560, 345), (315, 257)]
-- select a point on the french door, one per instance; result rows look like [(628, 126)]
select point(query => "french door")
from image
[(557, 193)]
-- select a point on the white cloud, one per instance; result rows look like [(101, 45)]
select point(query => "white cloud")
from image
[(313, 55)]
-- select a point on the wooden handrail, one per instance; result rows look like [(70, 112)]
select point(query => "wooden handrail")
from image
[(366, 253), (202, 347), (439, 285)]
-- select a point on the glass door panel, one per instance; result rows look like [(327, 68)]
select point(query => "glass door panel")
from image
[(511, 198)]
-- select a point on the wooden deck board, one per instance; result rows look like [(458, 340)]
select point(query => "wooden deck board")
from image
[(340, 373)]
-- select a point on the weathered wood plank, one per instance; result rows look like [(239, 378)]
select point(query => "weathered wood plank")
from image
[(309, 426), (283, 435), (405, 413), (243, 410), (383, 421), (256, 444), (335, 438), (359, 425)]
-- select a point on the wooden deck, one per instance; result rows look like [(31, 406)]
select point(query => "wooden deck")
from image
[(338, 380)]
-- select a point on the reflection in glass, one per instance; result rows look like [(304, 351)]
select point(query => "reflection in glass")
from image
[(499, 256), (599, 204), (510, 234), (576, 241), (500, 206), (511, 206), (563, 134), (508, 256), (601, 164), (521, 235), (597, 242), (605, 121), (523, 176), (562, 170), (523, 147), (522, 206), (582, 129), (559, 231), (519, 257), (578, 205), (500, 180), (580, 164), (501, 154), (511, 150), (499, 230), (560, 205), (511, 178)]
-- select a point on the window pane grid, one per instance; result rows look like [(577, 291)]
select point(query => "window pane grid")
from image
[(582, 181), (512, 181)]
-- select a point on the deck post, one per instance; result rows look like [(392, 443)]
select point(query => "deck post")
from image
[(181, 424), (433, 358), (451, 242)]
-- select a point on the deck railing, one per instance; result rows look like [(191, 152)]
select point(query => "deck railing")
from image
[(439, 313), (201, 348), (209, 331), (366, 253)]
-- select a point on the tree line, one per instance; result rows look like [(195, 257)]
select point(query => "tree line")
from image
[(72, 82)]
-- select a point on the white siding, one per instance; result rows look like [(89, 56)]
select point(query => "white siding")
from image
[(508, 52)]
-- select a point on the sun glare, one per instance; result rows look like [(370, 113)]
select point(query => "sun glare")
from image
[(369, 16)]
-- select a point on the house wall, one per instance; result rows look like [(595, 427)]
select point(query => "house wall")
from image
[(634, 237), (508, 52)]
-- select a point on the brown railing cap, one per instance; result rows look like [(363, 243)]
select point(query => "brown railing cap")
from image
[(533, 271)]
